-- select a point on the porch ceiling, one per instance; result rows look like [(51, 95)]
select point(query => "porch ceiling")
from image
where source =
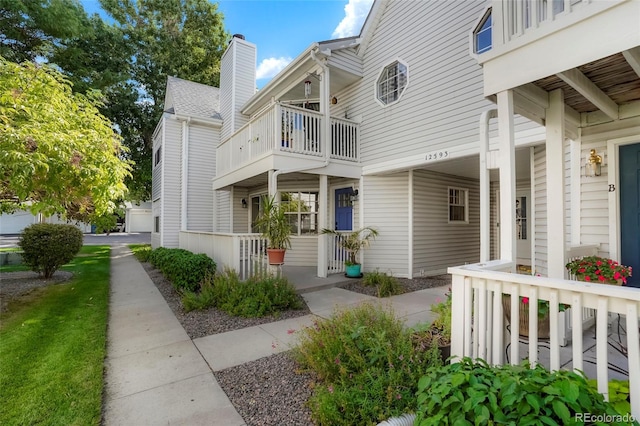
[(605, 84)]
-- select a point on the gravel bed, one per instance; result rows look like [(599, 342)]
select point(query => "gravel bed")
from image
[(269, 391), (14, 285), (211, 321), (407, 285)]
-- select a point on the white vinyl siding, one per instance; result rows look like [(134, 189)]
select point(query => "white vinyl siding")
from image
[(303, 251), (155, 212), (438, 243), (540, 206), (223, 210), (201, 170), (156, 174), (386, 208), (172, 180), (594, 201), (347, 60), (240, 215), (237, 84), (442, 104)]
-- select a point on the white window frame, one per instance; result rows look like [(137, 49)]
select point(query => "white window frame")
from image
[(157, 156), (299, 213), (401, 91), (465, 196)]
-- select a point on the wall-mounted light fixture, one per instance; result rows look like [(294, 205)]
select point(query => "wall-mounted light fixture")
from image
[(244, 203), (354, 196), (593, 166), (307, 89), (334, 100)]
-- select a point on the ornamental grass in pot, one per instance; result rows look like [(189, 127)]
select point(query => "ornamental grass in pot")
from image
[(352, 242), (274, 226)]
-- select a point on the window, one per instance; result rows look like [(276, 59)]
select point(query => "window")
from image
[(302, 209), (157, 156), (482, 34), (392, 82), (156, 224), (458, 202)]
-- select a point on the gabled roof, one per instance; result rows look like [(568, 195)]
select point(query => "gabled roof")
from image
[(187, 98), (370, 24)]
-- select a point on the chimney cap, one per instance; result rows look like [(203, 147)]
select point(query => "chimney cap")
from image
[(240, 36)]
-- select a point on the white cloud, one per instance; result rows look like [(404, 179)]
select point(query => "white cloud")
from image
[(355, 13), (271, 66)]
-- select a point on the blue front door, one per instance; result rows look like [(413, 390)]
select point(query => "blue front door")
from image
[(344, 210), (630, 210)]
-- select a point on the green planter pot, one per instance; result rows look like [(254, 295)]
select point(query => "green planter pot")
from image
[(353, 271)]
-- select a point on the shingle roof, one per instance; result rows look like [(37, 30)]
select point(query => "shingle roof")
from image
[(192, 99)]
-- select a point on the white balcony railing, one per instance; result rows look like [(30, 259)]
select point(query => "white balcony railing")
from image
[(246, 253), (477, 296), (286, 129), (337, 255)]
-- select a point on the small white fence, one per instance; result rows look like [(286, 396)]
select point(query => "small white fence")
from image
[(522, 16), (246, 253), (337, 255), (481, 332), (280, 128)]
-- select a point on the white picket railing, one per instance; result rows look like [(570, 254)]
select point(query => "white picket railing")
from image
[(337, 255), (246, 253), (480, 330), (281, 128), (525, 15)]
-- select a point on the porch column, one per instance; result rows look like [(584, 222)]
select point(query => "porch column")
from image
[(555, 184), (485, 185), (323, 219), (507, 176)]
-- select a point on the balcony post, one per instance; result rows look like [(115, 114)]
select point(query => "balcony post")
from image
[(323, 221), (555, 184), (507, 176)]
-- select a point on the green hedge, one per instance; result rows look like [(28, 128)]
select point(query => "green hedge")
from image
[(47, 246), (184, 269)]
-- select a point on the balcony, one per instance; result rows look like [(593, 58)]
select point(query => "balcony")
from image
[(522, 41), (288, 132)]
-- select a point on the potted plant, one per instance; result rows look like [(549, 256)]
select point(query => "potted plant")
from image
[(352, 243), (438, 333), (274, 226), (597, 269)]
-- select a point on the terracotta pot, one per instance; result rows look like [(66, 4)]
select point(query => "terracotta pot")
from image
[(276, 256), (544, 325)]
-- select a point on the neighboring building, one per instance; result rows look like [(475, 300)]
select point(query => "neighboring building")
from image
[(184, 155), (138, 217), (14, 223)]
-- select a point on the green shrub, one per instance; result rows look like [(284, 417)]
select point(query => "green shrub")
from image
[(46, 246), (367, 364), (619, 394), (469, 392), (386, 285), (141, 251), (258, 296), (184, 269), (204, 299)]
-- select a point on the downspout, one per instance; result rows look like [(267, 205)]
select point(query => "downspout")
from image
[(485, 182)]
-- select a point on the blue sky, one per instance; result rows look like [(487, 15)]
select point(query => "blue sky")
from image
[(282, 29)]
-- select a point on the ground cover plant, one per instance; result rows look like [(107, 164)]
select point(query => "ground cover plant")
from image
[(185, 270), (47, 246), (258, 296), (53, 348), (367, 366), (141, 251), (386, 285), (469, 392)]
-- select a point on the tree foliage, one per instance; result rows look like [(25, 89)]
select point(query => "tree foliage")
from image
[(58, 154)]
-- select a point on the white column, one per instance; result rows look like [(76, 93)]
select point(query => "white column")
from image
[(555, 184), (323, 219), (485, 185), (507, 176)]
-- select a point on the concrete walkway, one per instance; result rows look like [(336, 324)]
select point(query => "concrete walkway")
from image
[(155, 374)]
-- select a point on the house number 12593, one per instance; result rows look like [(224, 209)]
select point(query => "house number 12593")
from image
[(438, 155)]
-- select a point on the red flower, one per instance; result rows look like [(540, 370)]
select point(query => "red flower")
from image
[(587, 278), (601, 278), (617, 276), (581, 270), (525, 300), (597, 272), (599, 263)]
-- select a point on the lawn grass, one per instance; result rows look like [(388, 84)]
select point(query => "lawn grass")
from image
[(53, 347), (141, 251), (14, 268)]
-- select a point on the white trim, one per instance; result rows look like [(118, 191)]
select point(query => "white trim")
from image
[(404, 89), (532, 202), (576, 193), (163, 202), (410, 225), (184, 176), (465, 192), (613, 177)]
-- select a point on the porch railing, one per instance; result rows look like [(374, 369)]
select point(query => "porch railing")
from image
[(246, 253), (477, 313), (281, 128), (337, 255)]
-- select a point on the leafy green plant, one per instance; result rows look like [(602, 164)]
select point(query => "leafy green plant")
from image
[(273, 223), (258, 296), (386, 285), (184, 269), (619, 394), (599, 270), (203, 299), (366, 363), (353, 242), (46, 246), (141, 251), (469, 392)]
